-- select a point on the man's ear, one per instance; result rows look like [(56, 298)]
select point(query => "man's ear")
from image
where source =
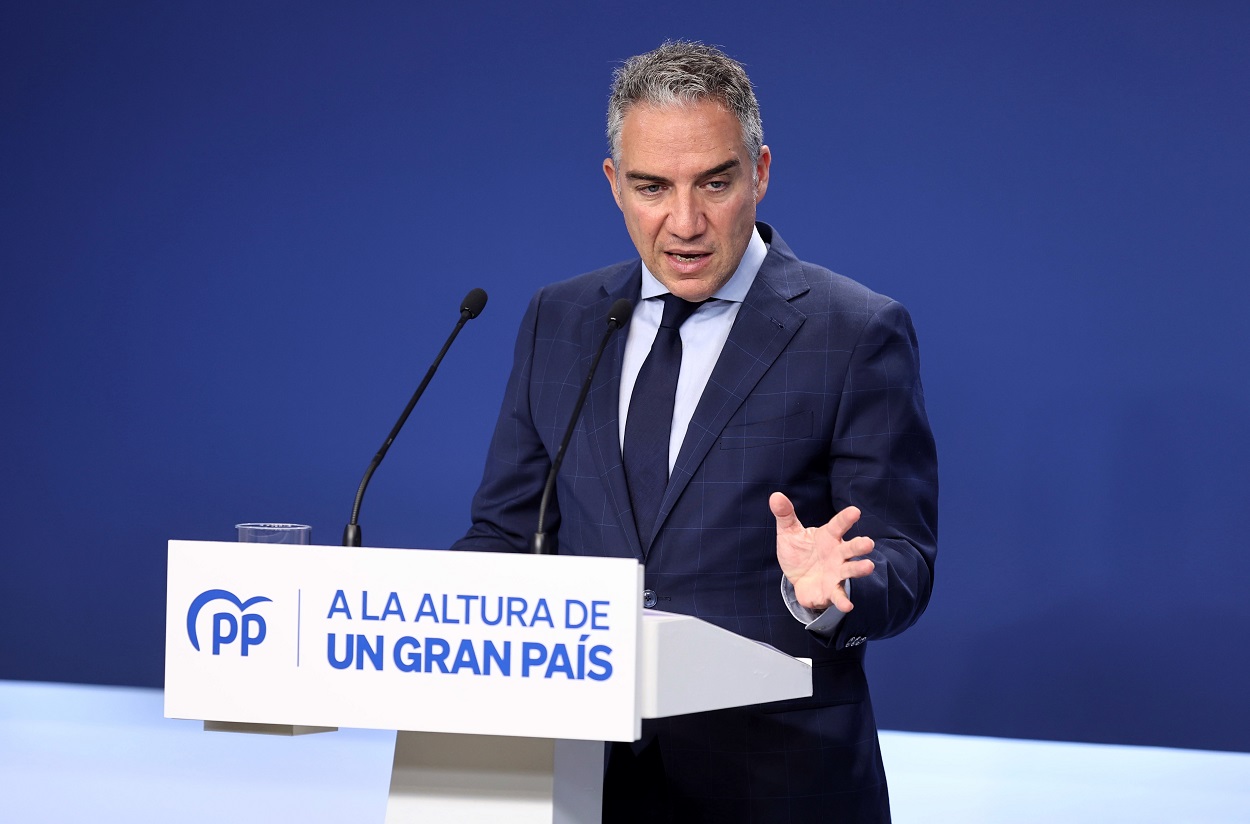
[(761, 173), (609, 171)]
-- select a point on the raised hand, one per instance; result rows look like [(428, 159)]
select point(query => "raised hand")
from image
[(817, 560)]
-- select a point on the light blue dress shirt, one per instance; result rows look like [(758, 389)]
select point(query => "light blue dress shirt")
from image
[(703, 337)]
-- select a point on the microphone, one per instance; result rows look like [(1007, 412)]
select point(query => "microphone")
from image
[(470, 308), (541, 544)]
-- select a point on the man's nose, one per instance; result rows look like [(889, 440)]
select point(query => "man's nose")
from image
[(686, 220)]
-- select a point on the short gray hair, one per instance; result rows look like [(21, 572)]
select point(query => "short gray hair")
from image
[(681, 72)]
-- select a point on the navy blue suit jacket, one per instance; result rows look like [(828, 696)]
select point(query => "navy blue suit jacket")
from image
[(817, 394)]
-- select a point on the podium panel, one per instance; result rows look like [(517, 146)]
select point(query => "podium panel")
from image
[(463, 642)]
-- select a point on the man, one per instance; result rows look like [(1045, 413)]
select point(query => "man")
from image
[(795, 390)]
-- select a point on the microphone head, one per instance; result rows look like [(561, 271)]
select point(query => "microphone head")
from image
[(473, 303), (620, 313)]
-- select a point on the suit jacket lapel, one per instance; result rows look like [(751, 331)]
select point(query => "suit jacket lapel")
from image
[(765, 325), (602, 411)]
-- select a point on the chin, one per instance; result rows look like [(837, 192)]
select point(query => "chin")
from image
[(694, 291)]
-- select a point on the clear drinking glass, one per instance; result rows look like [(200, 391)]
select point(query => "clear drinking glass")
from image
[(274, 533)]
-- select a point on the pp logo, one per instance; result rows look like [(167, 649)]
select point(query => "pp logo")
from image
[(227, 629)]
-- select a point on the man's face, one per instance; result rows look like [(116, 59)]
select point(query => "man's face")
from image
[(688, 190)]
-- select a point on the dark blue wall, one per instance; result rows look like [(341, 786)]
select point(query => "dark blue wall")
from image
[(234, 234)]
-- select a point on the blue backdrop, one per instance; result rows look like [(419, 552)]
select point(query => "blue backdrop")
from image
[(235, 234)]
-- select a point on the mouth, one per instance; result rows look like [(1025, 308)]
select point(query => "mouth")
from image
[(687, 263)]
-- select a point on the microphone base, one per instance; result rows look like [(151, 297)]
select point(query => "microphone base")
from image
[(543, 544), (351, 535)]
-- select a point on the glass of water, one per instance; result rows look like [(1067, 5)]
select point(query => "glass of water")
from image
[(274, 533)]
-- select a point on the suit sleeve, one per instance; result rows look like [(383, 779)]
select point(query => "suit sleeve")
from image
[(505, 508), (884, 461)]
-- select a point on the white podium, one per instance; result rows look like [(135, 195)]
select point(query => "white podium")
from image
[(504, 674)]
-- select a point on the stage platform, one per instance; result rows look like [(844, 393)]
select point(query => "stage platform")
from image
[(75, 754)]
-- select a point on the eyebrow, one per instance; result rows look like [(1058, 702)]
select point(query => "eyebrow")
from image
[(712, 172)]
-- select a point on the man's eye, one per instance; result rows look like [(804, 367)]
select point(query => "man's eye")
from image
[(718, 185), (650, 189)]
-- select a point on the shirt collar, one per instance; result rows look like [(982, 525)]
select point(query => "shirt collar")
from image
[(736, 288)]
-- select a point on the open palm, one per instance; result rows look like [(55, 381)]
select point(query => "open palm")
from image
[(817, 560)]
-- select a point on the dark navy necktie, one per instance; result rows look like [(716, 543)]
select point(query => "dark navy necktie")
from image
[(650, 422)]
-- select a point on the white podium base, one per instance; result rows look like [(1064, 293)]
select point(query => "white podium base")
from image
[(490, 779)]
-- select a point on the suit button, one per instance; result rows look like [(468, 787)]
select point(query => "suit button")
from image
[(649, 598)]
